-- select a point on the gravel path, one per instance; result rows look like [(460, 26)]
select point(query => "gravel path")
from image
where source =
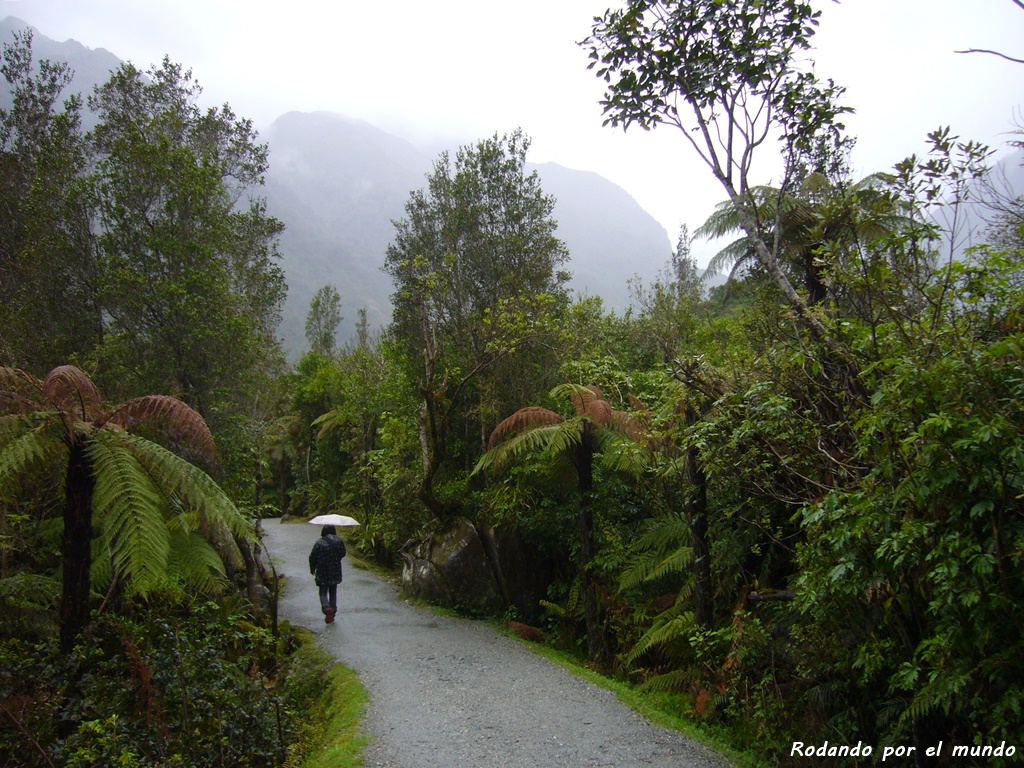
[(456, 693)]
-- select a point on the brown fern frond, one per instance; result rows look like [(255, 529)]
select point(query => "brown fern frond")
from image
[(625, 424), (599, 412), (523, 419), (636, 403), (71, 391), (582, 397), (181, 423)]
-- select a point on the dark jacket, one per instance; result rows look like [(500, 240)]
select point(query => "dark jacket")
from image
[(325, 560)]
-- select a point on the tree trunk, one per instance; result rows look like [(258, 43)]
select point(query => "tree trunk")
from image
[(76, 548), (588, 548), (698, 509)]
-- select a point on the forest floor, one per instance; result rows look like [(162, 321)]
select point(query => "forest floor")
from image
[(454, 692)]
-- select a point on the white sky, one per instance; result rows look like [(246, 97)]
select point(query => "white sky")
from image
[(468, 68)]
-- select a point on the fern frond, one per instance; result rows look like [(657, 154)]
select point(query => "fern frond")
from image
[(674, 625), (598, 411), (524, 419), (191, 485), (26, 454), (193, 561), (670, 682), (128, 511), (578, 395), (71, 391), (533, 441), (565, 437), (180, 422)]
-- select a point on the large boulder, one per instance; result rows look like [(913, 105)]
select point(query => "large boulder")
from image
[(523, 573), (452, 569)]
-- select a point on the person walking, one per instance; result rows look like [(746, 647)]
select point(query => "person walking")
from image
[(325, 565)]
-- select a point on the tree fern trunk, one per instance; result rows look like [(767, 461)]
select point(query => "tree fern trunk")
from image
[(76, 548), (588, 548)]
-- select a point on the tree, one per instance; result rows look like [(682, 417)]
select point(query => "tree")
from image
[(724, 72), (191, 289), (48, 307), (322, 321), (148, 507), (571, 443), (821, 222), (475, 264)]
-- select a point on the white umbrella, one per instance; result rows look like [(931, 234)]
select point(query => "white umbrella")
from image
[(334, 520)]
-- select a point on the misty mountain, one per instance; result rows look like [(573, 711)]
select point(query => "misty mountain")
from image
[(338, 183), (92, 66)]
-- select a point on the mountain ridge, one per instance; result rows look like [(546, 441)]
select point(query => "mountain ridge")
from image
[(338, 182)]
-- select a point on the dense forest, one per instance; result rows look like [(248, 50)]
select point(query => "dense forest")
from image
[(794, 502)]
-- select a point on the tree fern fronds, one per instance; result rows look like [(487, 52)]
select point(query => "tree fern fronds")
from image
[(674, 625), (23, 455), (670, 682), (188, 481), (578, 395), (523, 419), (533, 441), (128, 510), (563, 438), (193, 561), (71, 391), (179, 421), (663, 534), (676, 562)]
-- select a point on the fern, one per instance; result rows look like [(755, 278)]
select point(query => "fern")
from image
[(179, 477), (128, 511), (193, 561), (178, 421), (24, 455), (674, 625)]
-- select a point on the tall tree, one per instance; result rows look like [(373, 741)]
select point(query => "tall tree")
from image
[(191, 288), (725, 73), (472, 263), (147, 505), (322, 321), (47, 261)]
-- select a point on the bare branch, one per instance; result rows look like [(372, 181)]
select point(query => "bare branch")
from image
[(996, 53)]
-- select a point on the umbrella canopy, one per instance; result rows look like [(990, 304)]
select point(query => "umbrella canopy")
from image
[(334, 520)]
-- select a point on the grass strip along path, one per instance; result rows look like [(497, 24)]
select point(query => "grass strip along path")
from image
[(453, 692)]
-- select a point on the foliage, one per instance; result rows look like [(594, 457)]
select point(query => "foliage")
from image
[(173, 685), (47, 258), (475, 264), (145, 505)]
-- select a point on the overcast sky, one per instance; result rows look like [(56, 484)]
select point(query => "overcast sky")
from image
[(468, 68)]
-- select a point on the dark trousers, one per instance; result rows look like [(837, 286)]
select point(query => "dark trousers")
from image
[(328, 597)]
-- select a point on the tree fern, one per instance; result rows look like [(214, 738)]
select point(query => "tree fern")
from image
[(128, 511), (186, 480), (146, 503)]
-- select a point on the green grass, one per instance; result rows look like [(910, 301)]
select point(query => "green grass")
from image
[(330, 734)]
